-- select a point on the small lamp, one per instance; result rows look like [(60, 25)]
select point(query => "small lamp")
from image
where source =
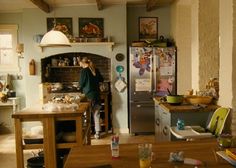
[(20, 50)]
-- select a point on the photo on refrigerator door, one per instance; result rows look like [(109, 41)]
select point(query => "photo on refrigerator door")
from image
[(166, 71), (143, 85), (166, 57), (164, 84), (142, 59)]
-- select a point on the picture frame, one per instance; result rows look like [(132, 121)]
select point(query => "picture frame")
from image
[(91, 27), (62, 24), (148, 28)]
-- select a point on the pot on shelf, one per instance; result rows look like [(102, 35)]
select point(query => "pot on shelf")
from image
[(35, 162)]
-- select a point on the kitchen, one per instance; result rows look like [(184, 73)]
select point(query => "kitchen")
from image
[(195, 78)]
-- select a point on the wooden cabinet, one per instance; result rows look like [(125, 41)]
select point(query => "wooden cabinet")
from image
[(167, 115), (49, 120)]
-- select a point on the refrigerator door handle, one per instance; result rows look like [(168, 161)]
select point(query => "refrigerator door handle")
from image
[(145, 105)]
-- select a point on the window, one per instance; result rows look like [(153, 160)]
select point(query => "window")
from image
[(8, 41)]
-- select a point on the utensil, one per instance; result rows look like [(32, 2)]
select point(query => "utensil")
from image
[(168, 91)]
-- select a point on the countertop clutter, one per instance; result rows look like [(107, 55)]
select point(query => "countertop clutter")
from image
[(184, 107)]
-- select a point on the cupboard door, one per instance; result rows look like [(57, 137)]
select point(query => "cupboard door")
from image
[(165, 124), (157, 124)]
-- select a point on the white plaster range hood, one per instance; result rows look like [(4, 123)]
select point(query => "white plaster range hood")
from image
[(99, 48)]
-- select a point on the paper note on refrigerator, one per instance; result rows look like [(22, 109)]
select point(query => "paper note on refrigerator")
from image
[(142, 84), (164, 71)]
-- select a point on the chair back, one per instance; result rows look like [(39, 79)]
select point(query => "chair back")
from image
[(218, 119)]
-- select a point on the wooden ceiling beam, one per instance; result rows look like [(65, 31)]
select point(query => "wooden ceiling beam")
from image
[(99, 4), (42, 5), (151, 4)]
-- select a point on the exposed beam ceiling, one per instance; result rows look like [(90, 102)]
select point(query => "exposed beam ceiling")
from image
[(99, 4), (153, 4), (18, 5), (42, 5)]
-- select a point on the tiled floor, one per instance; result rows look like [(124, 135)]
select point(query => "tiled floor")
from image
[(8, 156)]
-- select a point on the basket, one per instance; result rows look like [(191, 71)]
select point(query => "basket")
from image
[(198, 99)]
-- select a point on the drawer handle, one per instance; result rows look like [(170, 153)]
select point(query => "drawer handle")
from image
[(165, 131), (158, 122)]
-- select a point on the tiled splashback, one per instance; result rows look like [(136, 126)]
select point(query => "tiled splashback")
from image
[(52, 72)]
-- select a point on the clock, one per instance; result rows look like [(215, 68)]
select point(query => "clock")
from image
[(120, 57)]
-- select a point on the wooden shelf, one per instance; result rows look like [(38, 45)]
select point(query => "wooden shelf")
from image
[(108, 44), (65, 67), (32, 146)]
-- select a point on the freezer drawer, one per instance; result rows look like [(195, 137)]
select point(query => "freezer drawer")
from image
[(142, 117)]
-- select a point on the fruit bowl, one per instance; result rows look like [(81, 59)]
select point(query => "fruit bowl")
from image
[(198, 99)]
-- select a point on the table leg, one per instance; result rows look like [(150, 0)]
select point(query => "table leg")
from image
[(79, 137), (88, 114), (49, 143), (19, 145)]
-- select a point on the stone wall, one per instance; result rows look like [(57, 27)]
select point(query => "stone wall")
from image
[(208, 41), (233, 126)]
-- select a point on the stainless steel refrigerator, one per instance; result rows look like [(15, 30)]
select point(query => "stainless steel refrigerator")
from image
[(152, 71)]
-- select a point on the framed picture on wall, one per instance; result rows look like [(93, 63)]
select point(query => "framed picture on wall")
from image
[(62, 24), (91, 27), (148, 28)]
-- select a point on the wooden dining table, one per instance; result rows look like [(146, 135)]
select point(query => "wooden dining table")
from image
[(100, 155)]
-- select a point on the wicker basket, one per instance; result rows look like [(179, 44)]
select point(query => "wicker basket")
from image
[(198, 99)]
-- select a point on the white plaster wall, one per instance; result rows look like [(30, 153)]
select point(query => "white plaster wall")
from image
[(208, 41), (195, 45), (181, 32)]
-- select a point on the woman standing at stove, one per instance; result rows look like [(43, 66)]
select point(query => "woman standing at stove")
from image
[(89, 84)]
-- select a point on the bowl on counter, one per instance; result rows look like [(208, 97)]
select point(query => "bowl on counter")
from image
[(175, 99), (194, 99)]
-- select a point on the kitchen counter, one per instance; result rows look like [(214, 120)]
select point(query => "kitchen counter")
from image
[(167, 115), (183, 107), (49, 119)]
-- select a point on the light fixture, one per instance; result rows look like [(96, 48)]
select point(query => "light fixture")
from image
[(20, 50), (54, 37)]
